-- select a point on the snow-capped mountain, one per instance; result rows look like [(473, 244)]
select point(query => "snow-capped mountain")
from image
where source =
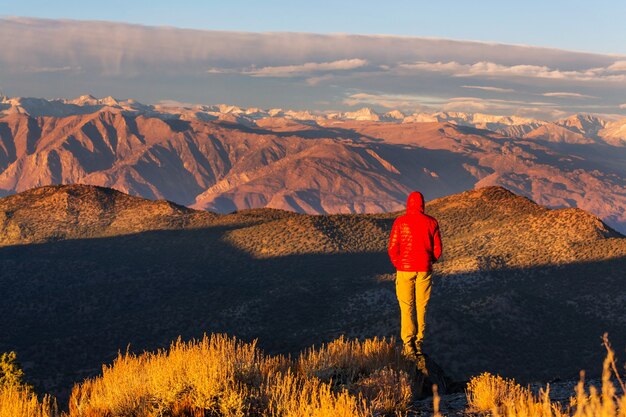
[(224, 158)]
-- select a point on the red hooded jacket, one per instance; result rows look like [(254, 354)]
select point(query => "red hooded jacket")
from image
[(415, 242)]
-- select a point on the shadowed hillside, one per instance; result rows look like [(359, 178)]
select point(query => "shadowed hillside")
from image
[(522, 290)]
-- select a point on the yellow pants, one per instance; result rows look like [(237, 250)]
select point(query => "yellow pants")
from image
[(413, 291)]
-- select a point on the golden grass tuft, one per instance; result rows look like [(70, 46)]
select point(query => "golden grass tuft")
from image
[(291, 395), (344, 361), (488, 394), (387, 391), (218, 374), (17, 402), (373, 369)]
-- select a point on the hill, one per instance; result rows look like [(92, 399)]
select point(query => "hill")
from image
[(77, 212), (224, 158), (522, 290)]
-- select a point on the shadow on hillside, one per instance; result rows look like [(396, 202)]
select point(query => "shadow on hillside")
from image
[(70, 306)]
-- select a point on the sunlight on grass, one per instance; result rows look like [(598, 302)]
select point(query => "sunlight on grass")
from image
[(222, 376), (16, 402), (495, 396)]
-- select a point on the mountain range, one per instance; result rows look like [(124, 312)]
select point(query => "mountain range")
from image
[(224, 158), (521, 290)]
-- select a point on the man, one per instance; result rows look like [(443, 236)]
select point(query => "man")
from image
[(414, 245)]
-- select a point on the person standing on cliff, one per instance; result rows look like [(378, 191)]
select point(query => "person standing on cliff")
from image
[(414, 245)]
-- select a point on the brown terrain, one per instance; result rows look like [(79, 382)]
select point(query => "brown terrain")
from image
[(522, 290), (222, 158)]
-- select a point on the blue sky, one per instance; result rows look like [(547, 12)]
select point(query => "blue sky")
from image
[(595, 26), (323, 55)]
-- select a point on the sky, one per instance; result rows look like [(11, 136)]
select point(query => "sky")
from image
[(538, 59)]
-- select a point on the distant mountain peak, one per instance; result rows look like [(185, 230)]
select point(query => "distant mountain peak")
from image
[(363, 114)]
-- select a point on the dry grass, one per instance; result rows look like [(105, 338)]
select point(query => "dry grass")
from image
[(291, 395), (221, 376), (488, 394), (17, 402), (373, 369)]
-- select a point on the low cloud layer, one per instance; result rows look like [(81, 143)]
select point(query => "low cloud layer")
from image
[(60, 58)]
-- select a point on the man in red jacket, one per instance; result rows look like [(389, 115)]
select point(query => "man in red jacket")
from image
[(414, 245)]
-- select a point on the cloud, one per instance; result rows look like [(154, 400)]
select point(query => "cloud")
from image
[(52, 69), (539, 110), (115, 48), (391, 101), (567, 95), (62, 58), (617, 66), (488, 88), (492, 69), (174, 103), (307, 68), (316, 80), (290, 71)]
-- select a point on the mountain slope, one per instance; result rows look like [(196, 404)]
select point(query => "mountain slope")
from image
[(78, 211), (224, 158), (516, 281)]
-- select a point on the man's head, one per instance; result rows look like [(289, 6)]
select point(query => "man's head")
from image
[(415, 203)]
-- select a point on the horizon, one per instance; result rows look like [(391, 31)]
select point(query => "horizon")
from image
[(172, 104)]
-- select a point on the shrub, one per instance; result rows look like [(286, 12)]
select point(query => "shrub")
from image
[(388, 391), (291, 395), (11, 373), (17, 398), (373, 369), (16, 402), (218, 374), (502, 397), (489, 393)]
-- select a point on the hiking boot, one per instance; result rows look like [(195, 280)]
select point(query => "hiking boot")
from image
[(409, 352), (419, 351)]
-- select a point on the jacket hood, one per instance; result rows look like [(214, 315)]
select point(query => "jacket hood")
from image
[(415, 203)]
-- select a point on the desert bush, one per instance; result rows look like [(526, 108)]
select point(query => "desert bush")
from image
[(219, 375), (292, 395), (486, 392), (345, 361), (18, 402), (606, 402), (11, 373), (387, 391), (503, 397), (17, 399), (373, 369)]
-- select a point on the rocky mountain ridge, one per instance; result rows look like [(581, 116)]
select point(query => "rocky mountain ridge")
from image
[(611, 131), (223, 158)]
